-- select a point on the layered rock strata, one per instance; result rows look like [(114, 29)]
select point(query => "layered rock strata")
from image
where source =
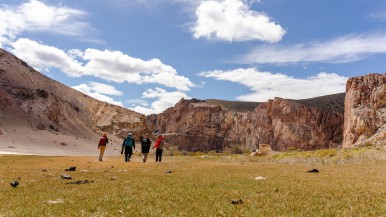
[(198, 125), (365, 111)]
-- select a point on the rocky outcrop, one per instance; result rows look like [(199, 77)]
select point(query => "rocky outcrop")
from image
[(287, 124), (193, 125), (281, 123), (365, 111)]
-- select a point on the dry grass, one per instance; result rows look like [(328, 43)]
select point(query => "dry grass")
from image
[(197, 186)]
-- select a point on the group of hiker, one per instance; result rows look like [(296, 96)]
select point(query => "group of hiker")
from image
[(128, 145)]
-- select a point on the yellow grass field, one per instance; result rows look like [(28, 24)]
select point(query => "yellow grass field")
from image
[(197, 186)]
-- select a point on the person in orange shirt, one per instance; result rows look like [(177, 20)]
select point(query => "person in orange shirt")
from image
[(159, 145)]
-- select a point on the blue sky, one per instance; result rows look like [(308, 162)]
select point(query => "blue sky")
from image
[(146, 55)]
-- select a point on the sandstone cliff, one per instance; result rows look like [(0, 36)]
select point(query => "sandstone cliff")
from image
[(365, 111), (284, 124), (205, 125), (193, 125), (36, 110)]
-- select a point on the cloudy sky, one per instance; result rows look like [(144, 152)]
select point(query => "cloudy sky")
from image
[(146, 55)]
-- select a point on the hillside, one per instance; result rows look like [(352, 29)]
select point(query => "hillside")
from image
[(326, 103), (238, 106), (41, 116)]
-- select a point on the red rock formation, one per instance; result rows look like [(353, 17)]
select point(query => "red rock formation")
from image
[(199, 125), (365, 111), (286, 123), (193, 125)]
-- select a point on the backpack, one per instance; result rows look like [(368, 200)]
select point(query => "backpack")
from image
[(129, 142)]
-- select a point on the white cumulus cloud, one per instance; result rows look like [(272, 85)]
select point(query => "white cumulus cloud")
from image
[(104, 88), (348, 48), (267, 85), (86, 89), (232, 20), (109, 65), (36, 16), (164, 100)]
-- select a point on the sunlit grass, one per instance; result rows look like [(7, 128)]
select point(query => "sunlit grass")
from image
[(198, 186)]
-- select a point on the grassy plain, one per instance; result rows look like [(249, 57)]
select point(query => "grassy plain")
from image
[(198, 186)]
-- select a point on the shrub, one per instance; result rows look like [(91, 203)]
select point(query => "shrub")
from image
[(53, 128), (41, 127), (41, 93), (25, 93)]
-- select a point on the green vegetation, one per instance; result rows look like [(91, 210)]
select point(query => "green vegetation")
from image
[(199, 186)]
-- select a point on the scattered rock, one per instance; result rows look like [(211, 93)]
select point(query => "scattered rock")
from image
[(11, 147), (44, 170), (41, 127), (65, 176), (71, 169), (80, 182), (260, 178), (204, 156), (14, 184), (55, 201), (168, 171), (313, 171), (63, 144), (239, 201)]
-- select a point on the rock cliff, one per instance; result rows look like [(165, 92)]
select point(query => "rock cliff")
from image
[(281, 123), (365, 111)]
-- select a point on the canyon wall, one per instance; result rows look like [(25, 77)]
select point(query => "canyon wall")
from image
[(365, 111), (198, 125)]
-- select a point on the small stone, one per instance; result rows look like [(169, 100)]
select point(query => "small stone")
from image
[(313, 171), (65, 176), (71, 169), (80, 182), (239, 201), (168, 171), (260, 178), (14, 184), (55, 201), (44, 170)]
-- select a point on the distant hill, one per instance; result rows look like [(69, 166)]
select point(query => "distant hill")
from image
[(325, 103), (238, 106)]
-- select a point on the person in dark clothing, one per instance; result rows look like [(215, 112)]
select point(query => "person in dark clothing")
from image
[(127, 146), (102, 145), (145, 145), (159, 145)]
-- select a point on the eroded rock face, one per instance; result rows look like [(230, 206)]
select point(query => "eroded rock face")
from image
[(198, 125), (365, 111), (38, 104), (193, 125), (286, 124)]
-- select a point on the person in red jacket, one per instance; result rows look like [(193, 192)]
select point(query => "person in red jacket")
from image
[(102, 145), (159, 145)]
